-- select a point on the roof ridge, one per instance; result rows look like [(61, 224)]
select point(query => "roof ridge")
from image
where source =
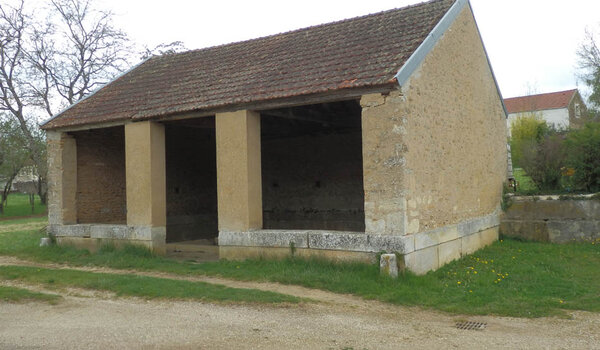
[(542, 94), (298, 30)]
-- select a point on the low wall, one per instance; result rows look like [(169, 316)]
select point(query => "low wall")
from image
[(553, 219), (422, 252)]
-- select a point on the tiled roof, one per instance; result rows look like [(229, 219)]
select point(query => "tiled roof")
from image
[(360, 52), (552, 100)]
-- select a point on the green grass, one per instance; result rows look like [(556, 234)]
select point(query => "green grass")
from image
[(140, 286), (18, 221), (513, 278), (525, 184), (12, 294), (18, 205)]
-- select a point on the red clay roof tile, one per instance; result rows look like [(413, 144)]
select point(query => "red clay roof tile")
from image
[(360, 52), (552, 100)]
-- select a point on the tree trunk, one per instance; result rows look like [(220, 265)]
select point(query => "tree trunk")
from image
[(42, 193)]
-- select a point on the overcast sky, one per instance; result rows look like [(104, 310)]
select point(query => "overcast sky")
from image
[(531, 43)]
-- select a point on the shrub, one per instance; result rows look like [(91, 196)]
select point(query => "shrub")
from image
[(543, 161), (583, 155), (526, 131)]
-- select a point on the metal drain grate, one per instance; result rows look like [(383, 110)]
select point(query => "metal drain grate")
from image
[(471, 326)]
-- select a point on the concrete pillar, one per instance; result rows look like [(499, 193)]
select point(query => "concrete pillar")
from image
[(239, 182), (62, 178), (145, 174)]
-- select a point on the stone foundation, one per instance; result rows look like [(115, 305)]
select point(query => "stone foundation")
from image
[(422, 252), (93, 236)]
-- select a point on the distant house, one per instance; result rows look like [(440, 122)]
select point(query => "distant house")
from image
[(561, 109), (378, 133)]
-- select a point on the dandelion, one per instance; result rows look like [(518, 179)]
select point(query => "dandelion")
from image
[(470, 291), (475, 272), (458, 282), (560, 301), (493, 270)]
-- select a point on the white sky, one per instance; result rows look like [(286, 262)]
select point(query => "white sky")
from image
[(531, 43)]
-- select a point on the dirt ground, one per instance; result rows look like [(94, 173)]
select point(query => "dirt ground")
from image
[(87, 320)]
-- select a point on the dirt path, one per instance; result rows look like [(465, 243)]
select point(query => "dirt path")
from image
[(100, 321)]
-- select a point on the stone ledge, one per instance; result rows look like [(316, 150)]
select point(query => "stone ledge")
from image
[(315, 239), (107, 231), (357, 241)]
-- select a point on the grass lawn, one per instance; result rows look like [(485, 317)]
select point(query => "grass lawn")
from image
[(510, 278), (17, 205), (525, 184), (139, 286), (12, 294)]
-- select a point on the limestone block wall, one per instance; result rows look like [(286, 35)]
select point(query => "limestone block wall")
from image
[(550, 219), (435, 153), (453, 115), (101, 176), (191, 172), (313, 182)]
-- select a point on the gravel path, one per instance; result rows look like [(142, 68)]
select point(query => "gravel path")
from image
[(100, 321)]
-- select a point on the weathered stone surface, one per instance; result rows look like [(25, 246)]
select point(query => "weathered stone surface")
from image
[(242, 253), (388, 265), (489, 236), (526, 208), (471, 243), (62, 178), (265, 238), (436, 236), (449, 251), (558, 221), (422, 261)]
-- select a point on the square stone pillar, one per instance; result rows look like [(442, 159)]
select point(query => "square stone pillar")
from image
[(383, 145), (62, 178), (239, 181), (146, 176)]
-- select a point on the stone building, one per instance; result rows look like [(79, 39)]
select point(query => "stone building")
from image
[(562, 109), (378, 133)]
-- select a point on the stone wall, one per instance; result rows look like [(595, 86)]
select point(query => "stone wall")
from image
[(191, 183), (550, 219), (435, 152), (313, 182), (101, 176)]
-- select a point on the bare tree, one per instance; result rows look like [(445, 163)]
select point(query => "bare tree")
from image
[(589, 62), (163, 49), (55, 62)]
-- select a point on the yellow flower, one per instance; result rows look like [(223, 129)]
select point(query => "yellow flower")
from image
[(561, 301), (470, 291), (493, 270), (458, 282), (475, 272)]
